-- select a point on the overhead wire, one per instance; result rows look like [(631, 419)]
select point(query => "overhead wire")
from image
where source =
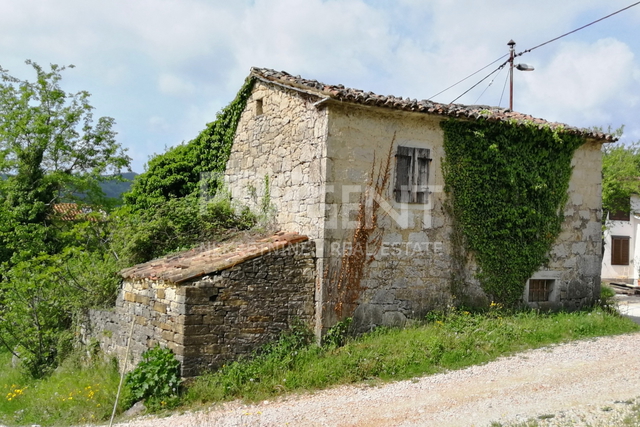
[(506, 79), (526, 51), (578, 29), (489, 85), (470, 75), (485, 78)]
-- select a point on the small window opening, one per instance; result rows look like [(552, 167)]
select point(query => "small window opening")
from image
[(540, 289), (212, 298), (412, 175), (259, 107)]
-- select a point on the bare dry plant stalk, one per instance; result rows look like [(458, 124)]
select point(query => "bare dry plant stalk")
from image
[(365, 241)]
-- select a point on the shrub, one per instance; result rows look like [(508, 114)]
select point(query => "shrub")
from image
[(338, 334), (156, 378)]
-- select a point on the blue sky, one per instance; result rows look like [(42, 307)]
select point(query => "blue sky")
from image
[(163, 68)]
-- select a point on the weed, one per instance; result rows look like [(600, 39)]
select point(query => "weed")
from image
[(156, 378), (77, 391), (338, 334), (607, 299)]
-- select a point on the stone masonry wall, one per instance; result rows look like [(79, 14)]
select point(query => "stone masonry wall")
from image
[(410, 274), (575, 259), (281, 136), (214, 319), (413, 270)]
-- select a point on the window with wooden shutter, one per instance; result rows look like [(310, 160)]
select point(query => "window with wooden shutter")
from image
[(619, 250), (412, 175), (622, 211), (620, 216)]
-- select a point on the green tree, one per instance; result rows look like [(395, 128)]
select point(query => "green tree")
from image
[(50, 148), (620, 175), (51, 151)]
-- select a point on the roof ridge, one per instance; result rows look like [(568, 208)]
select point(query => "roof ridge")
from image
[(359, 96)]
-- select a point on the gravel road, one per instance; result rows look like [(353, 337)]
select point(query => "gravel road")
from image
[(592, 382)]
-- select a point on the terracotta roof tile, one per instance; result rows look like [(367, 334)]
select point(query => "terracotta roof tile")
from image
[(72, 212), (474, 112), (195, 263)]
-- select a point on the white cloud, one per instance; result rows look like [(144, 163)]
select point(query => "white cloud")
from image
[(174, 85), (584, 82), (184, 60)]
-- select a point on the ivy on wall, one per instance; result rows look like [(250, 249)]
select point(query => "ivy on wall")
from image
[(507, 184), (178, 172)]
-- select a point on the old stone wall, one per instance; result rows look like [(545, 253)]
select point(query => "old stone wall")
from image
[(410, 272), (420, 264), (280, 138), (214, 319), (576, 258)]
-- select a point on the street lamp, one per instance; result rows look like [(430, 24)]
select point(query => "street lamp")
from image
[(521, 67)]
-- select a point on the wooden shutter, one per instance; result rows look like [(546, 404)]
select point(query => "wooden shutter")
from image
[(619, 216), (404, 157), (619, 250), (421, 189)]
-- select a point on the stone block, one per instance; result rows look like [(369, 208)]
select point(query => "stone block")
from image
[(198, 340), (141, 299), (159, 307), (211, 319), (193, 329), (190, 319)]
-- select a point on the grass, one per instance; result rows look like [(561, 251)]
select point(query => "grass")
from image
[(452, 342), (76, 392), (82, 392)]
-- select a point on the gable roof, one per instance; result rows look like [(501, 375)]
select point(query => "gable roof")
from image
[(357, 96), (183, 266)]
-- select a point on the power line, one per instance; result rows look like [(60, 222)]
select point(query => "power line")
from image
[(470, 75), (578, 29), (485, 78), (529, 50), (506, 79), (488, 86)]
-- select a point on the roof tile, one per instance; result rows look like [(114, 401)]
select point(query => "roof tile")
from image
[(474, 112), (183, 266)]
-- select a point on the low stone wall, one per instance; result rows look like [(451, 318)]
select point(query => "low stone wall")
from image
[(216, 318)]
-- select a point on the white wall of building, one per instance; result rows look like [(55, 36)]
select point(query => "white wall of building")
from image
[(623, 273)]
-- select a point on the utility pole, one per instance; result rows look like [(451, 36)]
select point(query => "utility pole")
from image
[(512, 52), (521, 67)]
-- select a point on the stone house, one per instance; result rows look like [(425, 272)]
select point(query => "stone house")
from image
[(318, 155), (621, 256), (315, 145)]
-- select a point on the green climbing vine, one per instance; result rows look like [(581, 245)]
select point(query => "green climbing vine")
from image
[(507, 184), (178, 172)]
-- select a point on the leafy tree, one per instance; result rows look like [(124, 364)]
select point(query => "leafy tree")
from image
[(620, 175), (50, 146), (50, 151)]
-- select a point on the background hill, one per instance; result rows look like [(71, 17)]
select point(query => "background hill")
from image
[(113, 189)]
